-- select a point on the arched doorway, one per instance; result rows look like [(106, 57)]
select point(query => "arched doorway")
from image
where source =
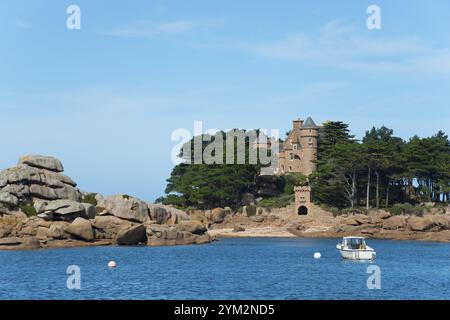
[(302, 210)]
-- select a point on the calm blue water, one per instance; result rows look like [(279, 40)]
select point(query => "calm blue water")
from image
[(258, 268)]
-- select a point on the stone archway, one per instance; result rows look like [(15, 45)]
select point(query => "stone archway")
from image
[(302, 210)]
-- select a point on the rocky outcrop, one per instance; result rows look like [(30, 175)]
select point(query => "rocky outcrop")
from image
[(431, 227), (124, 207), (54, 215), (420, 223), (81, 229), (133, 235), (429, 223), (395, 223), (166, 215), (441, 221), (158, 234), (8, 199), (42, 162), (57, 230), (89, 210), (192, 226), (349, 221), (36, 177), (217, 215), (238, 229), (108, 227), (66, 210), (257, 219), (17, 243)]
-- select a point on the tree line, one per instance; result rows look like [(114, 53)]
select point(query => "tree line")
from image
[(379, 170)]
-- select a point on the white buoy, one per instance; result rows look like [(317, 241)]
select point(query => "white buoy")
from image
[(317, 255), (112, 264)]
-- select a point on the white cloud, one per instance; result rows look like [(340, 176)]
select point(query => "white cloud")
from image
[(149, 29), (340, 46)]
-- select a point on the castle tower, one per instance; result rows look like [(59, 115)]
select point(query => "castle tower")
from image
[(302, 200), (298, 152), (309, 136)]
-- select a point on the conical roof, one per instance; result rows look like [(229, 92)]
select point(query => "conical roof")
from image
[(309, 123)]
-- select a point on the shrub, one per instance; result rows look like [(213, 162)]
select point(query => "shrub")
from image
[(441, 208), (173, 200), (407, 209), (277, 202), (28, 209), (354, 210), (292, 180), (90, 198), (335, 211)]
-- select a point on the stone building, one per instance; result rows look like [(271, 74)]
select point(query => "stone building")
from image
[(298, 153), (302, 200)]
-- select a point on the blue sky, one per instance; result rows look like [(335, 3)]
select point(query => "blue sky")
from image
[(105, 99)]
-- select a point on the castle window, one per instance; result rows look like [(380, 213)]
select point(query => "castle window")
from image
[(294, 146), (310, 139), (291, 156)]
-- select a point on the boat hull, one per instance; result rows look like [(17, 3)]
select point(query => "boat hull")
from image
[(357, 254)]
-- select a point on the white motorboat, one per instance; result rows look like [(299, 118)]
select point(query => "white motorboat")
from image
[(355, 248)]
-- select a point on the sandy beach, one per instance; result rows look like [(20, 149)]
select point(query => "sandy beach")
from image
[(252, 232)]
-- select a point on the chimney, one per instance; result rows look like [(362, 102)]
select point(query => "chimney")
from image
[(297, 124)]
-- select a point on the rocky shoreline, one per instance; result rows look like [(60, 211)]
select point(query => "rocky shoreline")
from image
[(378, 224), (40, 207)]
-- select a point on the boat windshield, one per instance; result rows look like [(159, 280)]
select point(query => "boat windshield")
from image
[(356, 243)]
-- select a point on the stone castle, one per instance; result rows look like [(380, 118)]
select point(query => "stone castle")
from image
[(298, 153)]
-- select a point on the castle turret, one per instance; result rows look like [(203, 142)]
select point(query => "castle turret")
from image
[(309, 136), (302, 200), (297, 124), (299, 150)]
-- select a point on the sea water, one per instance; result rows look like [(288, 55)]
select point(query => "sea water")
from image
[(232, 268)]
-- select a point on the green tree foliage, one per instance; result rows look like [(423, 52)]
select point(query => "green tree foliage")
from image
[(207, 186), (381, 170), (382, 157), (292, 180), (211, 185), (90, 198), (427, 161), (329, 181)]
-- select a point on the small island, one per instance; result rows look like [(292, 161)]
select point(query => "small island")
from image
[(325, 184)]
